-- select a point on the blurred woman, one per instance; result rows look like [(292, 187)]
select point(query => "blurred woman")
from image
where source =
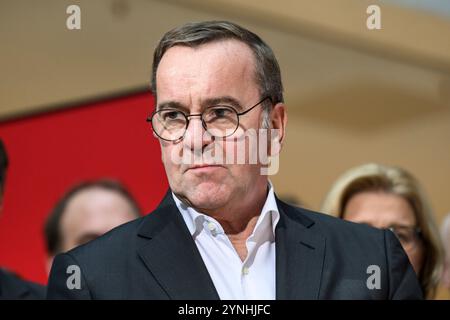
[(391, 198)]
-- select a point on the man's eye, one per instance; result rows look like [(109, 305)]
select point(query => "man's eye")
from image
[(172, 115), (219, 112)]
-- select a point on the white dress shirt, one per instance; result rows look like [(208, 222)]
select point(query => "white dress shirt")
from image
[(234, 279)]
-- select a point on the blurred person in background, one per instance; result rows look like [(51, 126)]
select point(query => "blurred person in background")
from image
[(388, 197), (86, 212), (11, 286), (445, 233)]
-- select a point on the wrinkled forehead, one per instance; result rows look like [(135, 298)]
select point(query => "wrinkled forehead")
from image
[(219, 66)]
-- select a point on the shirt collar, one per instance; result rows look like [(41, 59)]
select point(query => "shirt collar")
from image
[(194, 220), (270, 208), (190, 215)]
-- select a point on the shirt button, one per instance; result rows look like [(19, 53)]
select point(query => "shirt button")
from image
[(245, 271), (211, 226)]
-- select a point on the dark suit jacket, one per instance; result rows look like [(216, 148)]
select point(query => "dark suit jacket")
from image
[(14, 288), (317, 257)]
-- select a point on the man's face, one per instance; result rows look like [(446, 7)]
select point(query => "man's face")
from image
[(191, 78), (91, 213)]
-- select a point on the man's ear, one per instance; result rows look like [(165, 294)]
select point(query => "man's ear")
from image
[(278, 118)]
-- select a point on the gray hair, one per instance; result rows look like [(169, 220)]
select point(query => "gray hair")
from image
[(267, 73)]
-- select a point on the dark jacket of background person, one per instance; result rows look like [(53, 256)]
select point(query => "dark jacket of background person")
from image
[(14, 288), (155, 257)]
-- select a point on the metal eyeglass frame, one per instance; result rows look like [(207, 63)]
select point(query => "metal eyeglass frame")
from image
[(187, 116)]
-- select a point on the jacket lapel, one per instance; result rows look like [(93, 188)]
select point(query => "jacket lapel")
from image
[(170, 254), (300, 253)]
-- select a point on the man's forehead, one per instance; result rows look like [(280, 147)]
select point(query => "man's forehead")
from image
[(225, 54), (207, 67), (227, 46), (93, 201)]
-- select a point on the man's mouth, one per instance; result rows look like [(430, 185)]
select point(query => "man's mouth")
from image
[(203, 167)]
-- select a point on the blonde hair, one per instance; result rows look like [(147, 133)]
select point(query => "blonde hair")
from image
[(376, 177)]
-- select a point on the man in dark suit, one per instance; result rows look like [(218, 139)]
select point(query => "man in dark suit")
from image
[(220, 232), (11, 286)]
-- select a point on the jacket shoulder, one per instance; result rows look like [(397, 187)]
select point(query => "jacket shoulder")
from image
[(333, 226), (339, 233), (114, 242)]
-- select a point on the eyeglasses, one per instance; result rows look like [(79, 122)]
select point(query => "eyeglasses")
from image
[(407, 236), (220, 121)]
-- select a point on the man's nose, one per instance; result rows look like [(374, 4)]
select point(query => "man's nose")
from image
[(196, 137)]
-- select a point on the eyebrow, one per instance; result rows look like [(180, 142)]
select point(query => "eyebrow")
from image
[(171, 105), (205, 104), (223, 100), (402, 226), (389, 226)]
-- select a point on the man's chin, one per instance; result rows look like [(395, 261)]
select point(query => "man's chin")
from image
[(208, 195)]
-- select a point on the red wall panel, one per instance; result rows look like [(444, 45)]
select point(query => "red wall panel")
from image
[(50, 152)]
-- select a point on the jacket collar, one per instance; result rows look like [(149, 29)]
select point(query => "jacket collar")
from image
[(300, 253), (171, 255)]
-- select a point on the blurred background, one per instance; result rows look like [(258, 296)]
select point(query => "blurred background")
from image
[(73, 103)]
